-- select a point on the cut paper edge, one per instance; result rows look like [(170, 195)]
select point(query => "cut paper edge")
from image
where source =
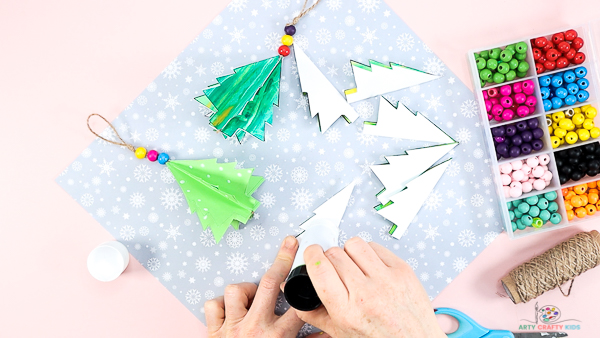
[(405, 205), (400, 122), (324, 99), (331, 211), (401, 169), (378, 78)]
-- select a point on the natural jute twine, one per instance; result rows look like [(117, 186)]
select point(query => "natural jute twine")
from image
[(122, 143), (303, 12), (554, 267)]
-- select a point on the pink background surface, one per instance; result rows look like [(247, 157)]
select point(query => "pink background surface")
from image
[(60, 62)]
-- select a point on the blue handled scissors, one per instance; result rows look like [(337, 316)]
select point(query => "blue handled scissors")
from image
[(468, 328)]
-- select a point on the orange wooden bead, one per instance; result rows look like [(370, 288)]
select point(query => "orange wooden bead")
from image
[(570, 195), (592, 185), (568, 205), (580, 212), (584, 200), (570, 215), (590, 209), (592, 198), (593, 191), (580, 189), (565, 191), (576, 201)]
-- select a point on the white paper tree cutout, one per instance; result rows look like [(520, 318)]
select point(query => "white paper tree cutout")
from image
[(332, 210), (378, 79), (402, 169), (323, 98), (405, 205), (402, 123)]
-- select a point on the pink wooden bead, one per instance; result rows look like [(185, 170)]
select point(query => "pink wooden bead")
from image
[(522, 111), (531, 109), (533, 162), (544, 159), (547, 176), (514, 184), (538, 172), (497, 110), (516, 165), (488, 105), (505, 179), (527, 87), (520, 98), (485, 94), (152, 155), (506, 168), (506, 190), (494, 100), (517, 88), (517, 175), (515, 192), (539, 185), (505, 90), (531, 101), (506, 101), (492, 92), (507, 115), (490, 117), (526, 187), (547, 182), (498, 118), (526, 169), (545, 167)]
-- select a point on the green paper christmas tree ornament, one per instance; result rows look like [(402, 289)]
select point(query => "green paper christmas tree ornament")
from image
[(243, 102)]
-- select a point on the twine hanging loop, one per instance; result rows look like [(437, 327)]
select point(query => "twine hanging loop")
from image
[(122, 143)]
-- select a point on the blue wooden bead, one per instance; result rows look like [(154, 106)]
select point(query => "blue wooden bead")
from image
[(582, 95), (580, 72), (555, 218), (557, 81), (163, 158), (547, 105), (545, 81), (583, 83), (514, 226), (572, 88), (570, 100), (569, 76), (561, 92), (545, 91), (557, 102), (533, 200)]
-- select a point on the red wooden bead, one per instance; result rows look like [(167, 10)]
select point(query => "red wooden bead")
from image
[(541, 42), (539, 68), (552, 54), (562, 62), (570, 35), (284, 50), (550, 65), (536, 53), (542, 58), (579, 58), (558, 38), (548, 46), (571, 54), (563, 47), (577, 43)]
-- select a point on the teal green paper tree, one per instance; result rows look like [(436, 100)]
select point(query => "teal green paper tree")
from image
[(217, 192), (242, 102)]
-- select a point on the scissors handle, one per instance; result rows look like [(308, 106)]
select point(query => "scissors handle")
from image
[(468, 328)]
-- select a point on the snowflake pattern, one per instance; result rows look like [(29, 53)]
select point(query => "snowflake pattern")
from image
[(168, 239)]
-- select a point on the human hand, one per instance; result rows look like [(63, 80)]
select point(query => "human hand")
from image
[(248, 311), (367, 291)]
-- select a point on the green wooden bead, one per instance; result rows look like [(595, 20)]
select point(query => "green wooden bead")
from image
[(485, 74), (545, 215), (520, 56), (511, 47), (511, 75), (518, 214), (543, 203), (552, 207), (533, 200), (499, 78), (513, 64), (534, 211), (481, 63), (485, 54), (537, 223), (509, 205), (477, 56), (492, 64), (481, 83), (523, 208), (514, 226), (555, 218), (523, 67), (520, 225), (527, 220), (516, 203), (495, 53), (506, 55), (551, 195), (511, 215), (521, 47), (521, 74), (503, 68)]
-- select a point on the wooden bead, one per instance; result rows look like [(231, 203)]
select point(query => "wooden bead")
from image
[(287, 40), (284, 50), (140, 152)]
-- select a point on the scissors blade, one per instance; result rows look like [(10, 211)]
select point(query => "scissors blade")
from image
[(540, 334)]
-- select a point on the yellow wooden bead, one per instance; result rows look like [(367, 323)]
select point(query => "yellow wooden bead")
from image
[(591, 113), (555, 141), (583, 134), (559, 115), (562, 140), (588, 124), (578, 118), (577, 110), (287, 40), (550, 130), (571, 137), (140, 152), (565, 123), (595, 132), (555, 125), (560, 132), (586, 107)]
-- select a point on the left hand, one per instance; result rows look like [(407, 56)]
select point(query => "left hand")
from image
[(249, 311)]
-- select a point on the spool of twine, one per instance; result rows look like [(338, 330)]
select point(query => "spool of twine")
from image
[(553, 268)]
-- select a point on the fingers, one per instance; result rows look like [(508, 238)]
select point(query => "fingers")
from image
[(268, 289), (363, 255), (289, 321), (324, 277), (387, 257), (318, 318), (214, 311), (237, 300), (348, 271)]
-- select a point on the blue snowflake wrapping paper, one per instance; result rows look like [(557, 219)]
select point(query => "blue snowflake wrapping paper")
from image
[(140, 203)]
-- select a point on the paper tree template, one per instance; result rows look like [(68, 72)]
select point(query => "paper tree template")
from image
[(402, 169), (243, 102), (332, 210), (220, 194), (402, 123), (323, 98), (378, 79), (405, 205)]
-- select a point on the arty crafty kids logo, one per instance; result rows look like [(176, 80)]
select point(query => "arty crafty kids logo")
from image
[(550, 318)]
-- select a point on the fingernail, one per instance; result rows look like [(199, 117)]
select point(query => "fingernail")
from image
[(289, 242)]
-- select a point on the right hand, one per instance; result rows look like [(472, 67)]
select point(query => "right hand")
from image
[(367, 291)]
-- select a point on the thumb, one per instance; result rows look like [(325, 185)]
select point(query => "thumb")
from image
[(318, 318)]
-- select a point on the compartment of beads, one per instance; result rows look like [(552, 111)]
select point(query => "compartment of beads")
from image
[(535, 212), (582, 201), (502, 64), (563, 117)]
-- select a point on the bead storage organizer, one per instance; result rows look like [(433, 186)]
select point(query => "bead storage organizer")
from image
[(540, 103)]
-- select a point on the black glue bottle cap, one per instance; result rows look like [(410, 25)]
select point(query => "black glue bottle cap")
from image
[(299, 291)]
